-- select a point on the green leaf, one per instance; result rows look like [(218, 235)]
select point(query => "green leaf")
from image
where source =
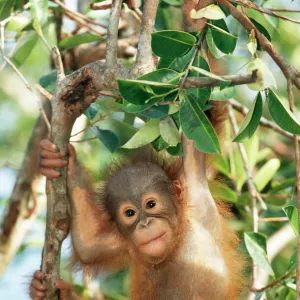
[(222, 165), (201, 95), (212, 46), (174, 2), (25, 49), (48, 81), (252, 43), (6, 7), (263, 154), (196, 125), (162, 78), (292, 213), (147, 134), (17, 23), (251, 121), (208, 74), (39, 12), (266, 173), (122, 130), (178, 64), (169, 131), (282, 116), (149, 88), (261, 29), (135, 108), (265, 77), (159, 144), (92, 111), (223, 95), (258, 296), (172, 43), (211, 12), (175, 151), (222, 192), (287, 183), (173, 109), (156, 112), (257, 247), (224, 40), (108, 138), (293, 261), (78, 39)]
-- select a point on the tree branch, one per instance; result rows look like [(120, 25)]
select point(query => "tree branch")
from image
[(205, 82), (297, 158), (112, 33), (275, 244), (285, 10), (275, 282), (144, 61), (58, 64), (288, 70), (101, 5), (88, 53), (77, 14), (267, 11), (251, 187), (15, 222)]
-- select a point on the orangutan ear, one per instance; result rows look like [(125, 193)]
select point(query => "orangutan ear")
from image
[(178, 189)]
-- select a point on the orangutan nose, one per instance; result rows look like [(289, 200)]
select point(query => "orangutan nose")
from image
[(146, 222)]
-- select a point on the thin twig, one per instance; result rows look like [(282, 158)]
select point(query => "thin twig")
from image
[(45, 42), (78, 15), (275, 282), (112, 33), (9, 62), (297, 158), (267, 11), (288, 70), (44, 92), (276, 196), (84, 140), (263, 121), (285, 10), (269, 220), (30, 89), (101, 118), (9, 164), (58, 64), (101, 5), (251, 187), (83, 23), (110, 95), (133, 12), (13, 49), (197, 49), (2, 37)]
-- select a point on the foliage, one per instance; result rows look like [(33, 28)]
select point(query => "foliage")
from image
[(155, 108)]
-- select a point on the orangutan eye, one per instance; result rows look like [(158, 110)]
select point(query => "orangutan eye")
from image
[(129, 213), (150, 204)]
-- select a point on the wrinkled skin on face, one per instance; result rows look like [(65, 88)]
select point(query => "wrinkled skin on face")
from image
[(142, 200)]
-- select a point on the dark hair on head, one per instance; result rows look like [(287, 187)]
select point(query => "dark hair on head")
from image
[(123, 176)]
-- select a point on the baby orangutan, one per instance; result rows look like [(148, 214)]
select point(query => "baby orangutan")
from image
[(160, 221)]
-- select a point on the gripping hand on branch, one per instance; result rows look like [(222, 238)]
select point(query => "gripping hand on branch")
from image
[(51, 159), (37, 289)]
